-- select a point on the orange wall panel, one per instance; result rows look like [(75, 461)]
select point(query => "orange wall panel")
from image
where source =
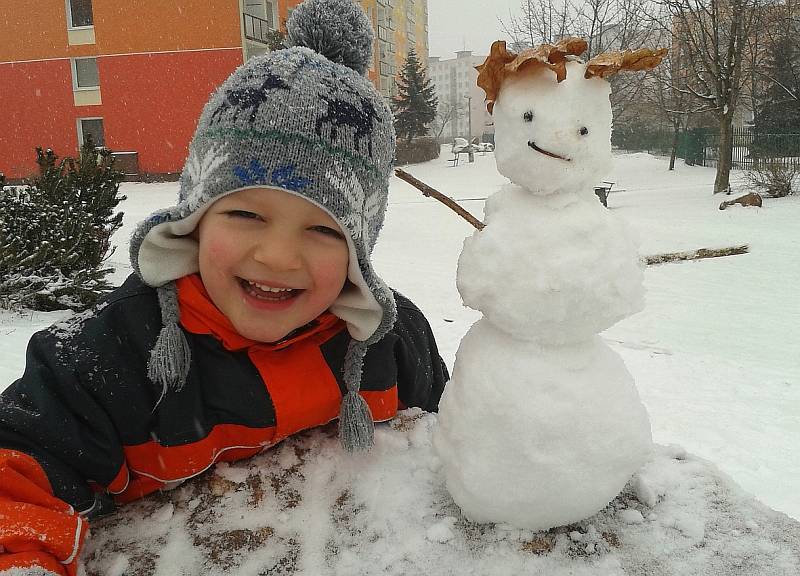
[(30, 34), (36, 103), (39, 30), (145, 25)]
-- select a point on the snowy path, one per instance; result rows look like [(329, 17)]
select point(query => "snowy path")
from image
[(716, 352)]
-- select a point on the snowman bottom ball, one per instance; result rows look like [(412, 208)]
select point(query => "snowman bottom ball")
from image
[(537, 437)]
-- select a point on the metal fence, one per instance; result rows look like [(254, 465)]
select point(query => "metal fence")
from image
[(699, 146)]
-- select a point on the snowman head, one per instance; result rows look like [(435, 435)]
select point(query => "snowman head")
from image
[(552, 112)]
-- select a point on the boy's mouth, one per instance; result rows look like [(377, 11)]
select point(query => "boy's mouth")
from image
[(268, 293)]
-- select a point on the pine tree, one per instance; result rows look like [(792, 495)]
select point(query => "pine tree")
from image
[(55, 233), (416, 103), (779, 110)]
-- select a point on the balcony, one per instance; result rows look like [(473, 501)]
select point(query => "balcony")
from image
[(256, 29)]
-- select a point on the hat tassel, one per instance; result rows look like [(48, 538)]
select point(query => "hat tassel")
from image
[(171, 357), (356, 427)]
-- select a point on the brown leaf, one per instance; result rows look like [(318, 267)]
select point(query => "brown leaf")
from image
[(609, 63), (502, 63)]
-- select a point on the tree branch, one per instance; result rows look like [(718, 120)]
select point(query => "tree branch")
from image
[(444, 199)]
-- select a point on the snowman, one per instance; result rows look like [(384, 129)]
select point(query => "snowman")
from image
[(541, 424)]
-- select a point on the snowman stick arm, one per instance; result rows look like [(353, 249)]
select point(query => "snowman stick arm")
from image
[(443, 198), (696, 254)]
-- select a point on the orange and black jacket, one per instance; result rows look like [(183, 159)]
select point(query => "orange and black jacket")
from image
[(84, 428)]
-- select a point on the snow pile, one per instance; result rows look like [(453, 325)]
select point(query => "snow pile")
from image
[(304, 507)]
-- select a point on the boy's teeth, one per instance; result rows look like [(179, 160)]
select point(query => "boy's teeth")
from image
[(269, 288)]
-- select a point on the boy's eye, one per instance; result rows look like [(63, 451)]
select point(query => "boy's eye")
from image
[(328, 231), (242, 214)]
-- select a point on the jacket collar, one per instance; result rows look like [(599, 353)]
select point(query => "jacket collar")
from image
[(199, 315)]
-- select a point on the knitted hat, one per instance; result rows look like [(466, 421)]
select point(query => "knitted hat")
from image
[(307, 121)]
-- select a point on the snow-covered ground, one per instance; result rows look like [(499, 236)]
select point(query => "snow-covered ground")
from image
[(715, 353)]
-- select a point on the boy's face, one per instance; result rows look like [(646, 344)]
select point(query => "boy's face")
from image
[(270, 261)]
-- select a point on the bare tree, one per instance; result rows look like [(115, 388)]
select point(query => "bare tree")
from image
[(714, 35), (668, 94), (605, 24), (541, 21), (446, 113)]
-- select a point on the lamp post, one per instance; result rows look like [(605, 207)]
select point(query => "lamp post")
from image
[(469, 119)]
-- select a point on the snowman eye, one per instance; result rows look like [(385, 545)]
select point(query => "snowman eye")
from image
[(583, 131), (528, 116)]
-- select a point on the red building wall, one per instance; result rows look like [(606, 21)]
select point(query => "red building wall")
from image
[(33, 99), (151, 102)]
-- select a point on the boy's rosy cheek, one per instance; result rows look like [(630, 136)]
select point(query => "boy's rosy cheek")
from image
[(217, 249)]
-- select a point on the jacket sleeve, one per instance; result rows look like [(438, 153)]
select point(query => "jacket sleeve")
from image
[(421, 373), (53, 437)]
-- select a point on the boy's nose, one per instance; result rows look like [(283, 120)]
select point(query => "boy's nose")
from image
[(278, 254)]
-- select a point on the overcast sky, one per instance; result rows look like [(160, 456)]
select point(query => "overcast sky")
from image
[(472, 24)]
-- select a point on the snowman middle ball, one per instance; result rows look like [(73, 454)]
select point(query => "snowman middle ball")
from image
[(555, 269)]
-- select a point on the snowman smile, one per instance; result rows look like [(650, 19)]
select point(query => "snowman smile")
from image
[(533, 145)]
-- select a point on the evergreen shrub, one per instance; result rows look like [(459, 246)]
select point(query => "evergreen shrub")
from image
[(418, 150), (55, 232)]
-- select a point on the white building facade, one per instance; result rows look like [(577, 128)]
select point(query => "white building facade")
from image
[(456, 82)]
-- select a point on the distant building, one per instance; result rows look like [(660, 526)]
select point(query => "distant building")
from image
[(135, 75), (456, 82)]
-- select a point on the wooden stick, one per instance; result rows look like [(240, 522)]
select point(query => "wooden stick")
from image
[(446, 200), (649, 260), (696, 254)]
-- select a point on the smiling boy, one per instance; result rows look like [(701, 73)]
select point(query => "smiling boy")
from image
[(254, 311)]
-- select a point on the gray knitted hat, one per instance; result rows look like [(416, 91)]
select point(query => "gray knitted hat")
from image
[(307, 121)]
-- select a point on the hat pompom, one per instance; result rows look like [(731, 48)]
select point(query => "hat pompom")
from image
[(337, 29)]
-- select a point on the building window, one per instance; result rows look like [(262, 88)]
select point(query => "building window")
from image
[(91, 127), (79, 13), (265, 10), (84, 74)]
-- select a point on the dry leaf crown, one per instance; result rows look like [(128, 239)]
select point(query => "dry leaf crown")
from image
[(502, 63)]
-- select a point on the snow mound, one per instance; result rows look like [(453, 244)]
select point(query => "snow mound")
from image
[(305, 507)]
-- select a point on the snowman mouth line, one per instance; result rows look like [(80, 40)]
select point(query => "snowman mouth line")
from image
[(533, 145)]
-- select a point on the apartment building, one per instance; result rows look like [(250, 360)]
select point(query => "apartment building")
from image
[(456, 82), (135, 75)]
